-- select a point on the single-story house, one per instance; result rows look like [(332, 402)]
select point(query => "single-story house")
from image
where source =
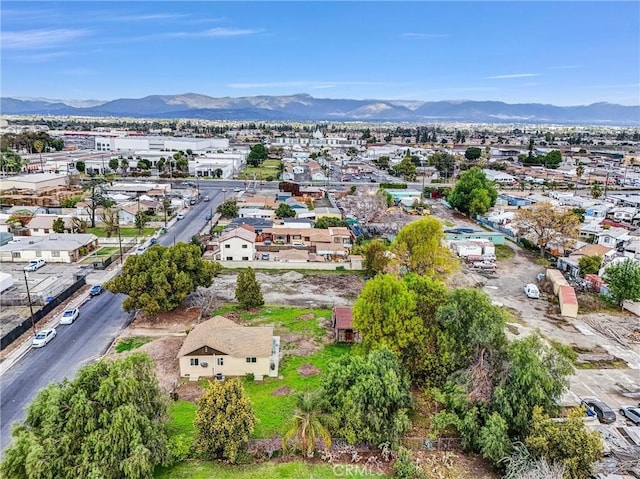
[(53, 248), (222, 348), (341, 323)]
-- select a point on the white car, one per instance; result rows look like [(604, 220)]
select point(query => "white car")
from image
[(69, 316), (237, 190), (532, 291), (180, 216), (34, 265), (43, 337)]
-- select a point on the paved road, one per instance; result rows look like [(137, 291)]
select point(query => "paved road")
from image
[(82, 342)]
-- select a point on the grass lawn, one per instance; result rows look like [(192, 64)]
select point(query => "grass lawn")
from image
[(124, 232), (181, 414), (503, 251), (285, 319), (101, 255), (267, 168), (131, 343), (267, 470)]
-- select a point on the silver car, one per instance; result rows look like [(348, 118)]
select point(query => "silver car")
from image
[(632, 413)]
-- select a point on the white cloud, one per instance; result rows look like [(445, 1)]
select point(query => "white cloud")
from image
[(512, 75), (424, 35), (36, 39), (215, 32)]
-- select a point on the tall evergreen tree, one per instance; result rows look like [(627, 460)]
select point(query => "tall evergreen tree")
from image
[(248, 292)]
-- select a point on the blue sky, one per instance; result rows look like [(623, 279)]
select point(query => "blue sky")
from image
[(563, 53)]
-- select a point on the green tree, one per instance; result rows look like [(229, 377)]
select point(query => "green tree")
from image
[(473, 193), (97, 197), (162, 278), (285, 211), (140, 221), (80, 166), (110, 221), (370, 397), (406, 168), (376, 257), (418, 246), (248, 292), (552, 159), (385, 314), (473, 153), (113, 164), (382, 162), (228, 209), (590, 264), (107, 422), (568, 442), (38, 145), (580, 171), (547, 224), (257, 155), (58, 225), (536, 375), (596, 191), (12, 162), (623, 281), (494, 441), (309, 424), (78, 225), (444, 162), (124, 166), (218, 172), (224, 420), (144, 165), (329, 222)]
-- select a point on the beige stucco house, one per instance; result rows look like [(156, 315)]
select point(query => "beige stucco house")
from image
[(238, 244), (222, 348)]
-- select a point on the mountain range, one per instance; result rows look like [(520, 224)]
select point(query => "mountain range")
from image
[(303, 107)]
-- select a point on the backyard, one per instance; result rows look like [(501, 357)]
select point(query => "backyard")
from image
[(268, 168)]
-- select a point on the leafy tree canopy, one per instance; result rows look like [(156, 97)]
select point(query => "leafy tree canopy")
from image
[(285, 211), (108, 422), (228, 209), (248, 292), (224, 420), (473, 153), (623, 281), (370, 397), (161, 278), (473, 193), (418, 246), (329, 222), (590, 264)]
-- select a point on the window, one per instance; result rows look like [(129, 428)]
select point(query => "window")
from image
[(38, 254), (229, 258), (245, 258), (251, 360), (46, 230), (15, 254), (55, 254), (244, 246), (220, 361), (227, 246), (194, 361)]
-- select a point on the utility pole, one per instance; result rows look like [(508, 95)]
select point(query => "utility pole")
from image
[(33, 322), (119, 237)]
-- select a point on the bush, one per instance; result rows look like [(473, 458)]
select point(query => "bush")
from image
[(250, 377), (404, 467), (340, 268), (269, 178), (526, 244), (179, 448), (394, 186)]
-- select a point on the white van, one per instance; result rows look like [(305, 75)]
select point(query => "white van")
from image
[(532, 291)]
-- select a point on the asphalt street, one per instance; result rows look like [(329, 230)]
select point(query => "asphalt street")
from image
[(100, 321)]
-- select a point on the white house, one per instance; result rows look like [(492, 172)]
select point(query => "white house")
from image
[(256, 213), (612, 237), (238, 244), (222, 348), (53, 248)]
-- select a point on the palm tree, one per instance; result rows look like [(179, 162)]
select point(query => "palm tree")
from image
[(309, 423), (38, 145), (579, 170)]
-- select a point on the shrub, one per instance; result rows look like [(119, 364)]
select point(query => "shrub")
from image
[(250, 377), (404, 467)]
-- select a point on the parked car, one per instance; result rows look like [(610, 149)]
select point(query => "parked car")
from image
[(95, 290), (488, 257), (632, 413), (487, 265), (180, 216), (153, 241), (69, 316), (603, 412), (43, 337), (208, 217), (141, 249), (236, 189), (532, 291), (206, 198), (34, 265), (224, 190)]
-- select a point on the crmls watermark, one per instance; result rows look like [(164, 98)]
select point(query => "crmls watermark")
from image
[(356, 470)]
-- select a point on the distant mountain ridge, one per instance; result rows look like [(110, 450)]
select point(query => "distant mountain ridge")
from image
[(303, 107)]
